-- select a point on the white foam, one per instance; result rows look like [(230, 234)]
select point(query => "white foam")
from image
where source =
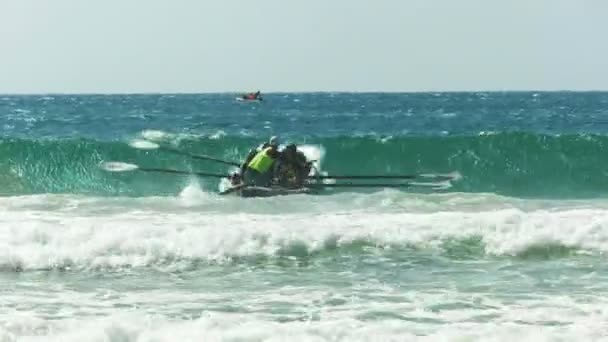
[(213, 326), (315, 153), (84, 233), (192, 195), (217, 135)]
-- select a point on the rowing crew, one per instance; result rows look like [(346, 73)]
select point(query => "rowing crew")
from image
[(266, 166)]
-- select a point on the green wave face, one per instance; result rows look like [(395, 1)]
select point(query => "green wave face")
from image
[(513, 164)]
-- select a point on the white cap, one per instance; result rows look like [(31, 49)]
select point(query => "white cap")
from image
[(274, 141)]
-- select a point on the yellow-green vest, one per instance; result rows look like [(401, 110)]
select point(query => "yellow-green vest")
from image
[(262, 161)]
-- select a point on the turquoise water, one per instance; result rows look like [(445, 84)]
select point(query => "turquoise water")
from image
[(513, 249)]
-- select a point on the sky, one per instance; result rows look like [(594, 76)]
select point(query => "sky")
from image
[(195, 46)]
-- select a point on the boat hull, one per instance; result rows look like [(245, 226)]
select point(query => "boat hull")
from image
[(258, 191)]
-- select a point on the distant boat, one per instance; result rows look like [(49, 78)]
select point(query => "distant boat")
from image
[(251, 97)]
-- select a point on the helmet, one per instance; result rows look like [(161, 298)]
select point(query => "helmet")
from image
[(274, 141)]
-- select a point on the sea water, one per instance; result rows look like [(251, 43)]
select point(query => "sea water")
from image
[(514, 249)]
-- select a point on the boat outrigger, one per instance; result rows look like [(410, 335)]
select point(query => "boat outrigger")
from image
[(314, 182)]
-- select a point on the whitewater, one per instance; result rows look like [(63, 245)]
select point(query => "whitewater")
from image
[(514, 249)]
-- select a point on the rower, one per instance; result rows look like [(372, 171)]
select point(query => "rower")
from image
[(293, 168), (259, 170), (274, 141)]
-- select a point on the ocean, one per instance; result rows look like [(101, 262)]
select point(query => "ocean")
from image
[(514, 248)]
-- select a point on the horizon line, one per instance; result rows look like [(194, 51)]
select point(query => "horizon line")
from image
[(302, 92)]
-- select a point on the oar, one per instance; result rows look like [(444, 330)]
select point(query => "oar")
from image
[(148, 145), (367, 177), (452, 176), (124, 167), (362, 185), (439, 185)]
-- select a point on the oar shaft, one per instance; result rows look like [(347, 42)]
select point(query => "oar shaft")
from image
[(363, 185), (366, 177), (183, 172), (442, 177), (201, 157)]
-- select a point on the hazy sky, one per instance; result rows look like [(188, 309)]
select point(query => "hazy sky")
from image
[(117, 46)]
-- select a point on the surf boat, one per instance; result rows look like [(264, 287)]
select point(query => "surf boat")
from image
[(315, 183)]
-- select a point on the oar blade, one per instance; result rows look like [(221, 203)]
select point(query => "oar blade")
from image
[(144, 144), (114, 166), (452, 176), (441, 185)]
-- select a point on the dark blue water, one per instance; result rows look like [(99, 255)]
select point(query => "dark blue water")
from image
[(107, 117)]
